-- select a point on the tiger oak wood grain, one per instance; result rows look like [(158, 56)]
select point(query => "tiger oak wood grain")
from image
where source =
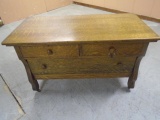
[(87, 46), (121, 49), (81, 65), (60, 51), (82, 28), (80, 76), (31, 77), (134, 74)]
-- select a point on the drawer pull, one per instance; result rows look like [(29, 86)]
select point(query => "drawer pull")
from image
[(112, 52), (50, 52), (44, 66), (119, 63)]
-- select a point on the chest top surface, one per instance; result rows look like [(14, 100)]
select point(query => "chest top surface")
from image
[(82, 28)]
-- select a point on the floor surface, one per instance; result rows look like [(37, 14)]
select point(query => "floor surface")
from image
[(84, 99)]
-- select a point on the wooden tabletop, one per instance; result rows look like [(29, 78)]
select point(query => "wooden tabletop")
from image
[(81, 28)]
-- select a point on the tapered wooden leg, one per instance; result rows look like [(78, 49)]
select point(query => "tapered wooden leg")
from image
[(131, 82), (32, 80), (133, 77), (34, 83)]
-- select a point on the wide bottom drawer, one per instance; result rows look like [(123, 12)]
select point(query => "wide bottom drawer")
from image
[(81, 65)]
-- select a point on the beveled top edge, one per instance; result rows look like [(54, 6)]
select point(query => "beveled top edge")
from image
[(83, 42), (8, 42)]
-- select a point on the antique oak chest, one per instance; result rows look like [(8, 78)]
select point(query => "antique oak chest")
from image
[(87, 46)]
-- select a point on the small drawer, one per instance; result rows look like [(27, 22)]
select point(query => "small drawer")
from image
[(81, 65), (60, 51), (111, 50)]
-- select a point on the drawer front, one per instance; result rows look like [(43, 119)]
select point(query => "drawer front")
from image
[(60, 51), (111, 50), (81, 65)]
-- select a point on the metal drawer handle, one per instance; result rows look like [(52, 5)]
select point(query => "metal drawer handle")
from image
[(112, 52), (50, 52), (44, 66)]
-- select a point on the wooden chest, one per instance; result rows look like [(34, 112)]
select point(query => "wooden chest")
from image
[(85, 46)]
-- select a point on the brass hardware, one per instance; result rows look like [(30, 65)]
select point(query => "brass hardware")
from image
[(119, 63), (44, 66), (50, 52), (112, 52)]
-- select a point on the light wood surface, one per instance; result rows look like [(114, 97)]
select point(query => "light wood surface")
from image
[(81, 65), (106, 49), (81, 46), (60, 51), (84, 28), (31, 77), (78, 76)]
